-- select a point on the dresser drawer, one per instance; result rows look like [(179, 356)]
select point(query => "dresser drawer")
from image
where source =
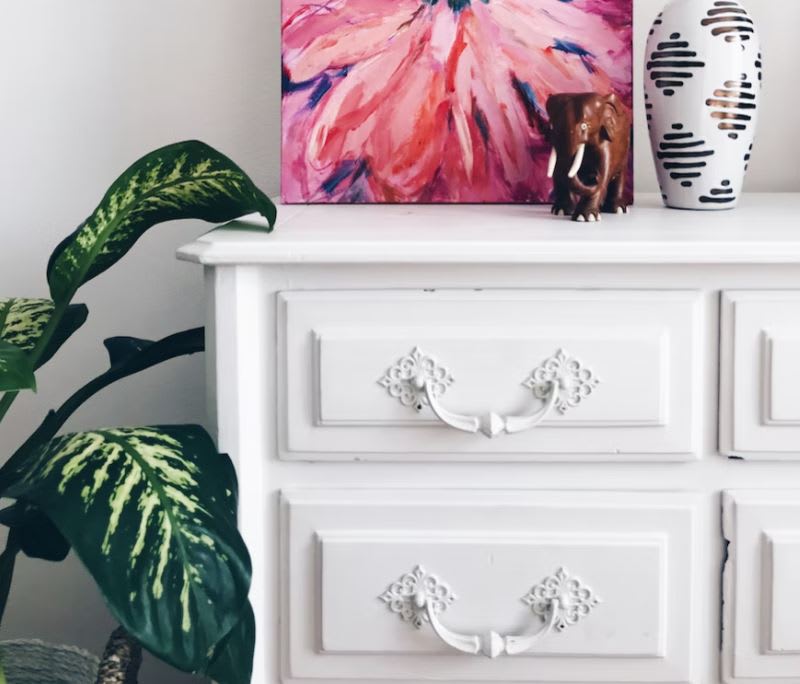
[(477, 375), (760, 392), (602, 581), (761, 640)]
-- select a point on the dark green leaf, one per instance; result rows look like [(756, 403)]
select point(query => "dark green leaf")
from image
[(180, 181), (122, 349), (148, 511), (232, 662), (16, 369), (10, 516), (38, 536), (129, 355)]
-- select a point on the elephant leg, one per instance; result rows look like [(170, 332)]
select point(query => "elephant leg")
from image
[(588, 208), (563, 202), (615, 199)]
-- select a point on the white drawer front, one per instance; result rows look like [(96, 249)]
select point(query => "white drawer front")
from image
[(620, 563), (762, 586), (760, 370), (627, 363)]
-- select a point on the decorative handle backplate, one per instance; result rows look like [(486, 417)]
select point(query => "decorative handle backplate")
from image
[(559, 601), (418, 380)]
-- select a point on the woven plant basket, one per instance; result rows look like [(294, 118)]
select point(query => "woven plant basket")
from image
[(35, 662), (28, 661)]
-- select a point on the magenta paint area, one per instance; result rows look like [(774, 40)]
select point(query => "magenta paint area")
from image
[(437, 100)]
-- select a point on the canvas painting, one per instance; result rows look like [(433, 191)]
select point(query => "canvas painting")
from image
[(437, 100)]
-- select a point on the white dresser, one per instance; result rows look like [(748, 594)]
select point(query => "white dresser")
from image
[(479, 444)]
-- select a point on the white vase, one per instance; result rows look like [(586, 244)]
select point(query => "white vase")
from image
[(702, 92)]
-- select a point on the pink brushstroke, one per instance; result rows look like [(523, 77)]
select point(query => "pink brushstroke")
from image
[(408, 101)]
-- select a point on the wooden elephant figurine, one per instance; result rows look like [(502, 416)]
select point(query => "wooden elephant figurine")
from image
[(590, 134)]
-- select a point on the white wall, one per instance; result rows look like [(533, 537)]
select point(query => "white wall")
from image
[(86, 86)]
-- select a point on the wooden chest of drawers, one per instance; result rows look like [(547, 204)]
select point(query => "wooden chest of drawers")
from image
[(477, 444)]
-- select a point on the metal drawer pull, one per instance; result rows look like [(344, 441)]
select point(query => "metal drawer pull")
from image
[(561, 382), (560, 600)]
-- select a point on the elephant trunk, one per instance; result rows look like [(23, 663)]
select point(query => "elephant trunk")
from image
[(576, 164)]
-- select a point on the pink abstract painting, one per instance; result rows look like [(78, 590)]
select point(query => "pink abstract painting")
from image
[(437, 100)]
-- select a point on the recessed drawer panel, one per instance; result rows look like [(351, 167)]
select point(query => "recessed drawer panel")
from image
[(760, 398), (488, 586), (762, 590), (606, 375)]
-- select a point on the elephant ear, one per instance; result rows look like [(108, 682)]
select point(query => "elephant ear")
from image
[(556, 115), (555, 105), (610, 123)]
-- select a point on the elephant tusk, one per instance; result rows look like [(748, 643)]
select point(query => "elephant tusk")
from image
[(576, 165), (551, 165)]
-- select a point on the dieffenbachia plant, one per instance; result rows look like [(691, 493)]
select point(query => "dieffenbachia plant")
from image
[(150, 511)]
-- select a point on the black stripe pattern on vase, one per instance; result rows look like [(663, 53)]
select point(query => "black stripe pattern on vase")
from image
[(729, 20), (758, 67), (683, 155), (720, 195), (648, 108), (747, 156), (657, 22), (733, 106), (672, 63)]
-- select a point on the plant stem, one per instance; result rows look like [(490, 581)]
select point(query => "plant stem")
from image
[(7, 561), (173, 346)]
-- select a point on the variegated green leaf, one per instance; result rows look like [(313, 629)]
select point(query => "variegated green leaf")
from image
[(232, 662), (151, 513), (23, 321), (16, 369), (180, 181)]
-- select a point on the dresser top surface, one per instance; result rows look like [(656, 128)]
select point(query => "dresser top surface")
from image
[(764, 229)]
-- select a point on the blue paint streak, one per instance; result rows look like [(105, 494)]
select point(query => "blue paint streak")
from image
[(323, 86), (457, 5), (319, 84), (482, 124), (349, 168), (575, 49), (362, 170), (290, 86), (528, 95), (571, 48)]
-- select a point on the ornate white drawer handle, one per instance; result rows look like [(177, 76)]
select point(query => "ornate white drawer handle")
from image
[(491, 424), (560, 600), (561, 382), (491, 644)]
